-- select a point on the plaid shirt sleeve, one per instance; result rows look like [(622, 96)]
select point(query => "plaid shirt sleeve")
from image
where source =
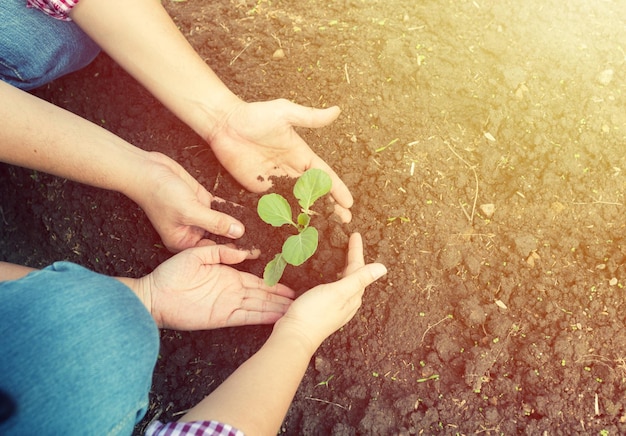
[(193, 428), (58, 9)]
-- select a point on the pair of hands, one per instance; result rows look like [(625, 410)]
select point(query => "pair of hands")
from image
[(196, 290), (253, 139)]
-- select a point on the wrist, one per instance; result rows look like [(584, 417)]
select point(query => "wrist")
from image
[(288, 331), (211, 114), (146, 176), (142, 289)]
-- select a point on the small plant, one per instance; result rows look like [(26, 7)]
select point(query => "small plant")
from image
[(325, 382), (274, 209), (431, 377), (402, 219)]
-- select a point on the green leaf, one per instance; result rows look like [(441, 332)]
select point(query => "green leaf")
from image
[(274, 210), (303, 220), (311, 185), (274, 270), (298, 248)]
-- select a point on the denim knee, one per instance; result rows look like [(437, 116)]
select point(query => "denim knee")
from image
[(36, 49), (80, 351)]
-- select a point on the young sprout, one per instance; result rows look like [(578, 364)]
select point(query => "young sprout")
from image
[(275, 210)]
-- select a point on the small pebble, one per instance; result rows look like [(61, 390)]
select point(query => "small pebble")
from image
[(605, 77), (278, 54), (488, 209)]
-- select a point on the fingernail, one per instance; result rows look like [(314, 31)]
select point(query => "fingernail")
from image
[(378, 271), (235, 231)]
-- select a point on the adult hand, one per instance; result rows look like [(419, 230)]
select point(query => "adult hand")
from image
[(318, 313), (179, 207), (195, 290), (258, 140)]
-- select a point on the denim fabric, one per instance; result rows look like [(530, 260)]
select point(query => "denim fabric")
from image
[(77, 351), (36, 49)]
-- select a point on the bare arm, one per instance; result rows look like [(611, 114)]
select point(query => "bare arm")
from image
[(143, 39), (256, 397), (38, 135), (11, 271)]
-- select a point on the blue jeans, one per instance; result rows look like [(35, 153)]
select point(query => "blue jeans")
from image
[(36, 49), (77, 351)]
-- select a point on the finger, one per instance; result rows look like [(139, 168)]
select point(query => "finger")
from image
[(243, 317), (259, 307), (252, 253), (220, 200), (215, 222), (230, 255), (304, 116), (203, 195), (262, 301), (212, 254), (250, 281), (354, 259), (205, 243), (358, 280), (339, 191), (344, 215)]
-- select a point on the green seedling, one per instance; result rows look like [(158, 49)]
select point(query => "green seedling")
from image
[(425, 379), (402, 219), (384, 147), (325, 382), (275, 210)]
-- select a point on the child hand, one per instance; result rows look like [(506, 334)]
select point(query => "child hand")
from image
[(326, 308)]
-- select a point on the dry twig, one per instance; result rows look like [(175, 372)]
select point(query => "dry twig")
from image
[(327, 402)]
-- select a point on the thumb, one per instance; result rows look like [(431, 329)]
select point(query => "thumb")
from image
[(364, 276), (304, 116), (218, 254), (339, 191), (215, 222)]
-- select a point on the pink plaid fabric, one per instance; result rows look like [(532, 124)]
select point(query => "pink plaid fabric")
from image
[(58, 9), (193, 428)]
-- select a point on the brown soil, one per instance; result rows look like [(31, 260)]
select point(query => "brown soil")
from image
[(503, 323)]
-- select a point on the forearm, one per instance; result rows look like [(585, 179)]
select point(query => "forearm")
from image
[(38, 135), (143, 39), (11, 271), (256, 397)]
